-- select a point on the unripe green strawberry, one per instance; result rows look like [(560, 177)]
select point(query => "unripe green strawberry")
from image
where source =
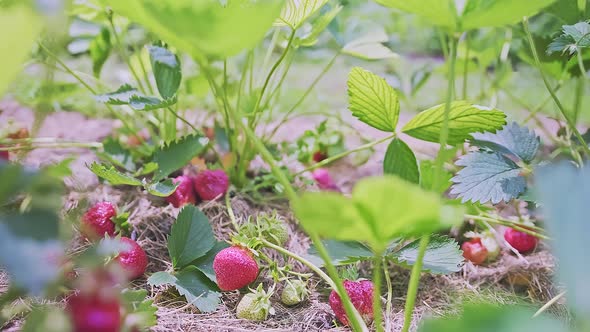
[(255, 306), (490, 243), (295, 292), (272, 227)]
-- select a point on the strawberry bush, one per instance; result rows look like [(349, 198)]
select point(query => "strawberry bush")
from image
[(229, 181)]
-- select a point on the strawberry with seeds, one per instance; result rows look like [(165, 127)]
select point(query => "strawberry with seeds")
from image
[(184, 193), (235, 268), (361, 296), (520, 241), (475, 251), (133, 260), (210, 184), (97, 221)]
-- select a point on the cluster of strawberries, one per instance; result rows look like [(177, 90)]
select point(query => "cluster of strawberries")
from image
[(484, 248), (206, 185)]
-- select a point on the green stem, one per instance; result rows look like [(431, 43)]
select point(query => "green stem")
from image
[(273, 69), (581, 63), (356, 320), (302, 260), (389, 304), (466, 66), (531, 230), (377, 309), (304, 96), (230, 212), (88, 87), (124, 54), (64, 145), (178, 116), (146, 77), (345, 153), (578, 97), (444, 133), (414, 282), (568, 119)]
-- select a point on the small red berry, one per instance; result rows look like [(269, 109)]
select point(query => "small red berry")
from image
[(184, 193), (93, 313), (319, 156), (133, 260), (324, 180), (97, 222), (520, 241), (361, 296), (234, 268), (4, 154), (211, 184), (474, 251)]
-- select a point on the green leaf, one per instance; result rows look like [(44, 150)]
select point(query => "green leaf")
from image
[(488, 318), (204, 28), (370, 47), (296, 12), (464, 120), (320, 25), (438, 12), (400, 160), (205, 263), (512, 140), (147, 103), (128, 95), (119, 97), (563, 192), (380, 209), (176, 155), (372, 100), (20, 27), (341, 252), (190, 238), (138, 310), (100, 48), (496, 13), (116, 154), (574, 38), (442, 256), (193, 285), (162, 189), (487, 177), (113, 176), (47, 319), (166, 68)]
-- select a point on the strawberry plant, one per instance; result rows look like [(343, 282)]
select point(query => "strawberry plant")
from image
[(187, 101)]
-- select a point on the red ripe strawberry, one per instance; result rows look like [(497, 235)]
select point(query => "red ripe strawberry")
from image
[(4, 154), (97, 222), (474, 251), (361, 296), (520, 241), (324, 180), (234, 268), (133, 260), (211, 184), (319, 156), (93, 313), (184, 193)]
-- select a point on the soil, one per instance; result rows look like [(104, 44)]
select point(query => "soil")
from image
[(504, 281)]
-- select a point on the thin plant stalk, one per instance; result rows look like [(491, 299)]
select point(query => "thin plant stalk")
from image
[(388, 304), (568, 119), (346, 153), (304, 96), (466, 66), (417, 269), (377, 276), (355, 319), (123, 53), (549, 304), (414, 282)]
